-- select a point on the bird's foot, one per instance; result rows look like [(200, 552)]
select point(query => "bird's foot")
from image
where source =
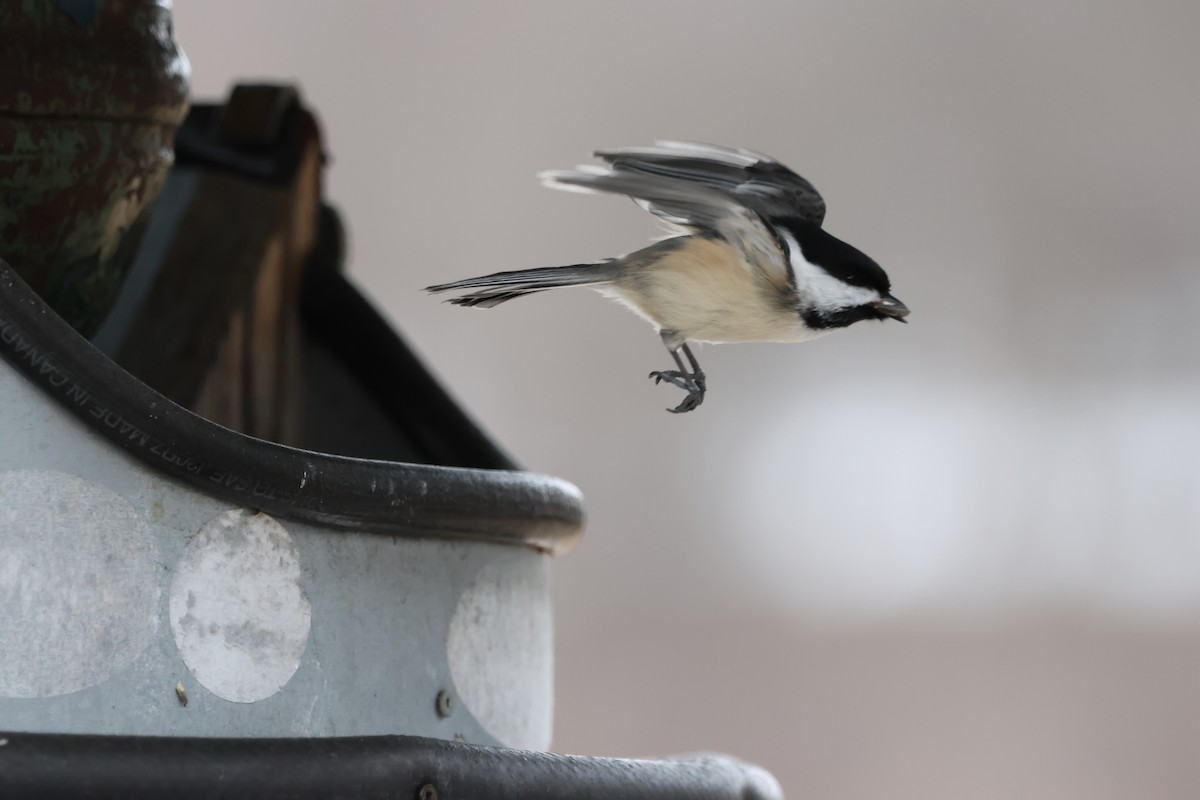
[(694, 385), (676, 378), (688, 403)]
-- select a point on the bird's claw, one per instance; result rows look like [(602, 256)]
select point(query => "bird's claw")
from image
[(675, 378), (694, 385), (690, 402)]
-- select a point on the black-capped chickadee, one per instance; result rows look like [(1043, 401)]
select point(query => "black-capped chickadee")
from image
[(747, 260)]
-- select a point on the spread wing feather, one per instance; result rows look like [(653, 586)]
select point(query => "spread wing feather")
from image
[(756, 181), (732, 193)]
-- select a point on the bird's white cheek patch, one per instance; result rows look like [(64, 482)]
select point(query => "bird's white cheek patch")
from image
[(820, 288), (239, 616), (79, 584)]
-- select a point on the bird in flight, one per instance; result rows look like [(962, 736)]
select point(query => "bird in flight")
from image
[(748, 260)]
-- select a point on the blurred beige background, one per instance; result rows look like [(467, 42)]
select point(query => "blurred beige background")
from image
[(955, 559)]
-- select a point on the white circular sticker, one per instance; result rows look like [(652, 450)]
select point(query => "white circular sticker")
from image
[(239, 616), (79, 583), (500, 649)]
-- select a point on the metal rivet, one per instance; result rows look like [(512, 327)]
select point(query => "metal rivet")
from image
[(427, 792), (444, 704)]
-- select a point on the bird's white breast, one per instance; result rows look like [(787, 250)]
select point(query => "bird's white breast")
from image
[(706, 292)]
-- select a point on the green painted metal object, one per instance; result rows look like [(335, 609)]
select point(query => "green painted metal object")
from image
[(91, 94)]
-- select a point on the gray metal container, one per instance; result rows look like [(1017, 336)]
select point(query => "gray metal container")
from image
[(161, 575)]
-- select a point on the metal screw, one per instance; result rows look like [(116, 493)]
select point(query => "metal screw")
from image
[(427, 792), (444, 704)]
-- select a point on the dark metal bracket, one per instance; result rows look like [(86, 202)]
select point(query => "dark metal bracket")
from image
[(362, 768)]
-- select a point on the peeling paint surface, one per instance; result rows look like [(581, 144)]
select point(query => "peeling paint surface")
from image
[(240, 619), (371, 661), (79, 585), (500, 649)]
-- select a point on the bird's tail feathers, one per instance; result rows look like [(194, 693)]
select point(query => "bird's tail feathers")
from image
[(503, 286)]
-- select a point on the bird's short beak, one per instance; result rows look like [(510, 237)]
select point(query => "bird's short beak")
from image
[(891, 307)]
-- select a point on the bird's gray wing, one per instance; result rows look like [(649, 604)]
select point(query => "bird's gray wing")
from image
[(701, 188), (757, 181)]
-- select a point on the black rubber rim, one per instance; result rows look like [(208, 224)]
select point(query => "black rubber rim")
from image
[(415, 500)]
